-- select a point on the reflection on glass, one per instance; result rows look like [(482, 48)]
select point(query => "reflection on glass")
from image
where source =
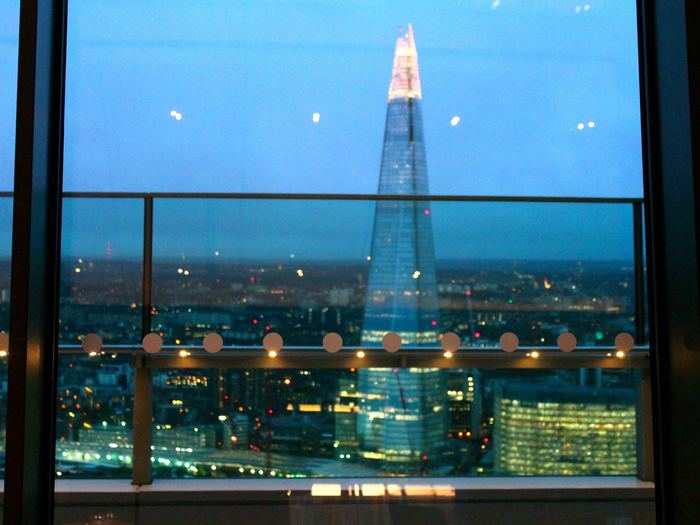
[(101, 268), (301, 268), (325, 423)]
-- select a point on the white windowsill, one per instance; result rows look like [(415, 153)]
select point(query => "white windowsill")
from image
[(194, 491)]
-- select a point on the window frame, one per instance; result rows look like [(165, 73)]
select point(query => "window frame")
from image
[(668, 72)]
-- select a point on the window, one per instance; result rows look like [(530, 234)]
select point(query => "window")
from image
[(305, 168)]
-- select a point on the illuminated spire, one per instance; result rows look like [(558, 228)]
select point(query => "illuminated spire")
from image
[(405, 79)]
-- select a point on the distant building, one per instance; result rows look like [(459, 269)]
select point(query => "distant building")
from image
[(345, 411), (186, 397), (240, 436), (402, 416), (175, 439), (464, 403), (549, 430)]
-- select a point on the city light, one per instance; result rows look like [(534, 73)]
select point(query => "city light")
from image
[(416, 274), (300, 272)]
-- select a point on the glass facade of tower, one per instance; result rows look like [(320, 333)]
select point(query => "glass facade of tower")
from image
[(564, 431), (402, 417)]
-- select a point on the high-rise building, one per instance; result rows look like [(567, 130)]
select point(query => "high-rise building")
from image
[(402, 417), (345, 412), (550, 430)]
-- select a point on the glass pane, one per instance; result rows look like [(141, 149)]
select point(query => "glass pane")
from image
[(517, 98), (306, 267), (101, 272), (101, 269), (406, 99), (391, 422)]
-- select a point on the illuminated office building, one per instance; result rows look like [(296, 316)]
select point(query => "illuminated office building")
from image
[(402, 418), (543, 430)]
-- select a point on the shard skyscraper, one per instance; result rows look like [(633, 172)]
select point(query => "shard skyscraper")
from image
[(402, 417)]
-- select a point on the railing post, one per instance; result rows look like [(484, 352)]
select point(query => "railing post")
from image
[(142, 412), (141, 459), (645, 428), (147, 268), (639, 277)]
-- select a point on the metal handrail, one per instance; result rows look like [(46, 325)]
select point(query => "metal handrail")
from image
[(536, 358), (343, 196)]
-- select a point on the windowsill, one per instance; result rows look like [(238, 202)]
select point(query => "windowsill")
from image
[(179, 492)]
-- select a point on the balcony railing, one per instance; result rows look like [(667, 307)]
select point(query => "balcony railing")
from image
[(153, 247)]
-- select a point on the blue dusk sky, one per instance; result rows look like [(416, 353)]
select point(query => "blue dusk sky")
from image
[(247, 76)]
